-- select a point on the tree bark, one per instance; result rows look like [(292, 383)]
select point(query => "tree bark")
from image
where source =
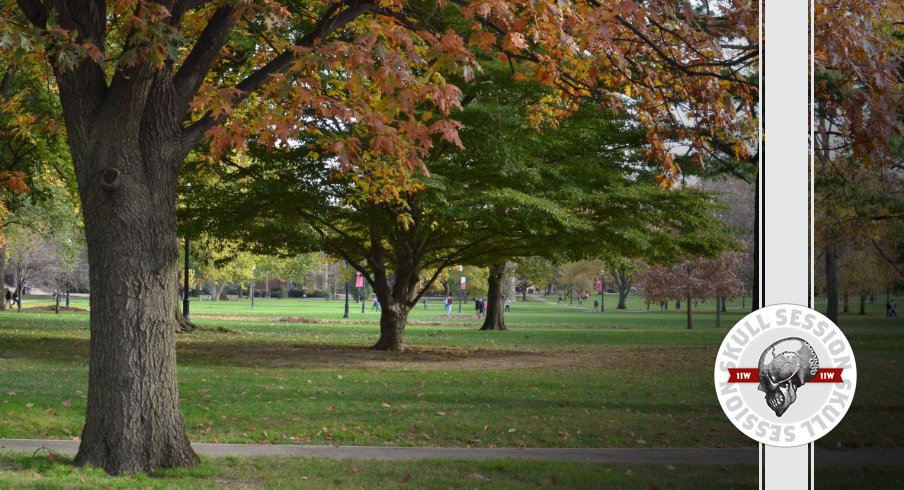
[(832, 283), (495, 314), (133, 420), (862, 305), (723, 307), (393, 318), (846, 303)]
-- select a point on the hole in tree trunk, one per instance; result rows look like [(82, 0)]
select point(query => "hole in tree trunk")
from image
[(110, 179)]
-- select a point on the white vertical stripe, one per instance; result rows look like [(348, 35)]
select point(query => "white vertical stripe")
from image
[(785, 194)]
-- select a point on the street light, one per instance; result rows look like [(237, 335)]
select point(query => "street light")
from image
[(460, 269), (346, 315), (185, 285), (253, 269), (185, 301)]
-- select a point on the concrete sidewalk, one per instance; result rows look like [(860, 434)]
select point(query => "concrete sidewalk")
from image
[(676, 456)]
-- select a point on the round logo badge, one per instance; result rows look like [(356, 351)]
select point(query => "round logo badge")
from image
[(785, 375)]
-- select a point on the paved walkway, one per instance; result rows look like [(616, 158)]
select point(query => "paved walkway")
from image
[(677, 456)]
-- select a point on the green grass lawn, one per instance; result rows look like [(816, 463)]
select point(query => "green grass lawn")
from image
[(560, 377), (44, 472)]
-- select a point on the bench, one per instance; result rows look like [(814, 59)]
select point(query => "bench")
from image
[(232, 297), (204, 297)]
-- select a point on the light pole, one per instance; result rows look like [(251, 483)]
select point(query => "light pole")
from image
[(460, 269), (253, 270), (185, 301), (346, 315)]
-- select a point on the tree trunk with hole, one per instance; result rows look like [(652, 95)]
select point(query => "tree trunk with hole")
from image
[(127, 153), (832, 283), (495, 314)]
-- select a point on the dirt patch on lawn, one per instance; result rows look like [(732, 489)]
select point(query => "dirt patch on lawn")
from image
[(444, 358), (69, 309), (304, 319)]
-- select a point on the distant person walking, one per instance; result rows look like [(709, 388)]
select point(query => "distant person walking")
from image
[(8, 298), (508, 305), (892, 309), (449, 304), (478, 305), (376, 304), (425, 302), (596, 305)]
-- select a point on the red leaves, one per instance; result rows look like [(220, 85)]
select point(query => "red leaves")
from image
[(448, 131)]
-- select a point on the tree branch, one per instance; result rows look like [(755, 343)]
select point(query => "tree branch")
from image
[(194, 69), (333, 19)]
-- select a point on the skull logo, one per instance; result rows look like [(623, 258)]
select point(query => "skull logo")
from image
[(784, 367)]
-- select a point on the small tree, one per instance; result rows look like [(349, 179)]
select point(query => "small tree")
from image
[(697, 277)]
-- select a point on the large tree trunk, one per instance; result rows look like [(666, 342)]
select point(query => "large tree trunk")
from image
[(495, 314), (127, 148), (846, 304), (832, 283), (393, 318), (524, 285), (133, 421), (862, 305)]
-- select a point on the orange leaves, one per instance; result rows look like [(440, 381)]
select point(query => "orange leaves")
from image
[(13, 182), (514, 41)]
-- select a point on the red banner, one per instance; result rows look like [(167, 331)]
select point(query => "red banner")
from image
[(599, 286), (359, 281), (751, 375)]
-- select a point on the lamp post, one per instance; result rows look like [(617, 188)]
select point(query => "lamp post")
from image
[(253, 269), (460, 269), (346, 315), (185, 301)]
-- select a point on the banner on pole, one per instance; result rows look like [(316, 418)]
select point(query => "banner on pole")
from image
[(359, 280)]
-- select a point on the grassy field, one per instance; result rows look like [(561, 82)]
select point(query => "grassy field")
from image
[(561, 376), (29, 472)]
